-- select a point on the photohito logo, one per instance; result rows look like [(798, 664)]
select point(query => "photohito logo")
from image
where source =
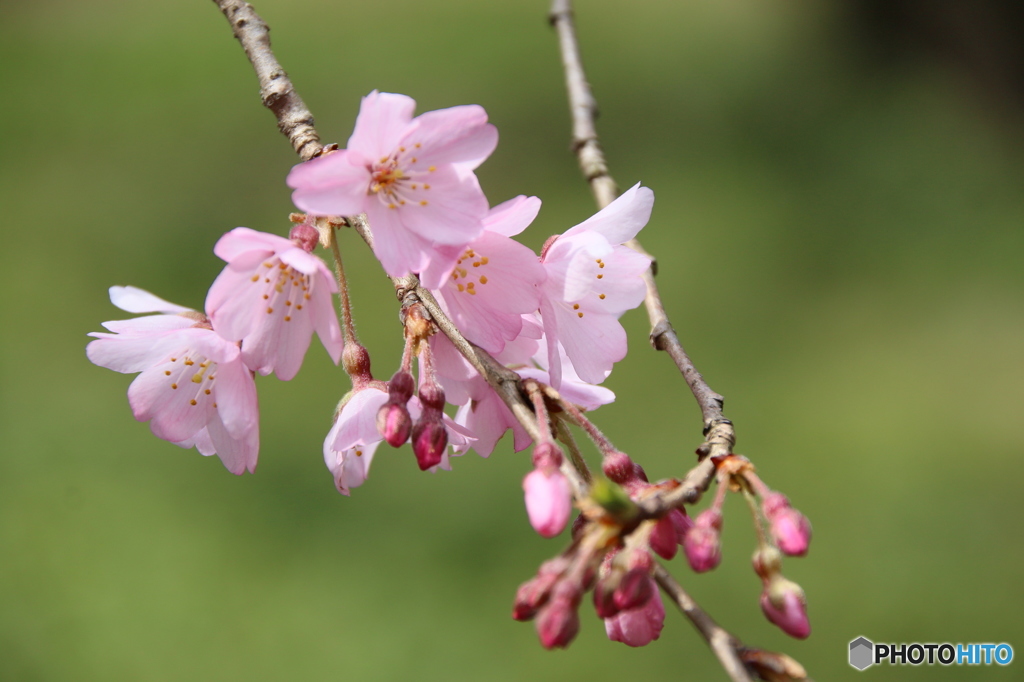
[(865, 653)]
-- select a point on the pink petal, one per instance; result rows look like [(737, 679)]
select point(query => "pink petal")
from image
[(149, 325), (593, 343), (334, 184), (398, 249), (325, 319), (455, 135), (135, 300), (451, 212), (383, 119), (238, 453), (513, 216), (620, 220), (235, 394), (129, 354), (242, 239)]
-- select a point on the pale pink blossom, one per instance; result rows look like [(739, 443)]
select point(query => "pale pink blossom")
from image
[(591, 281), (638, 626), (495, 279), (413, 177), (353, 439), (548, 500), (272, 296), (193, 387)]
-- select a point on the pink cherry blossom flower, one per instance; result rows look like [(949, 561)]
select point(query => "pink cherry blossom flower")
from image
[(591, 281), (353, 439), (412, 177), (272, 295), (495, 280), (639, 626), (193, 388)]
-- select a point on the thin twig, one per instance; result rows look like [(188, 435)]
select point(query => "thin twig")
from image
[(293, 117), (718, 431), (725, 646)]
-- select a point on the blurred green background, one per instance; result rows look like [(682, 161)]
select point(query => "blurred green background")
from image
[(839, 239)]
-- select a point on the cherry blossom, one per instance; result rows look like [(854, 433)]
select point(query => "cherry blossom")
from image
[(591, 281), (413, 177), (272, 295), (495, 280), (353, 439), (193, 387)]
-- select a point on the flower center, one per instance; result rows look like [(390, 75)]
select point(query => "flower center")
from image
[(397, 181), (285, 289), (193, 374), (463, 277)]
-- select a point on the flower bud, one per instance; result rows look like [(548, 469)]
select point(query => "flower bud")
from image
[(534, 593), (429, 439), (639, 626), (702, 543), (400, 387), (305, 236), (432, 396), (767, 562), (790, 529), (356, 361), (604, 597), (784, 604), (557, 623), (618, 467), (664, 541), (547, 455), (634, 589), (394, 423), (548, 501), (682, 523)]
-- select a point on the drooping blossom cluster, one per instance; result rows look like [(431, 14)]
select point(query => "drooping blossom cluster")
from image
[(553, 318)]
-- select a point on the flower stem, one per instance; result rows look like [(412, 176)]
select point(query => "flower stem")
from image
[(344, 304)]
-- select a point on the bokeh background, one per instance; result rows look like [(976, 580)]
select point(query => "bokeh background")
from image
[(840, 203)]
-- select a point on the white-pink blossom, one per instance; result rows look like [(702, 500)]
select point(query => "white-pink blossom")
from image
[(353, 439), (413, 177), (272, 295), (495, 279), (591, 281), (548, 500), (193, 387)]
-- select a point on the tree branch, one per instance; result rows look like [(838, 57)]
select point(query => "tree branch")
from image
[(718, 431), (293, 117), (725, 646)]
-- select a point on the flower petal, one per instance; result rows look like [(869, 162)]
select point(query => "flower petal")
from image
[(135, 300)]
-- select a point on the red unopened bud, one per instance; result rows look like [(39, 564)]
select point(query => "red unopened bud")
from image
[(400, 387), (784, 604), (432, 396), (634, 589), (306, 236), (681, 522), (578, 524), (558, 623), (618, 467), (548, 501), (664, 541), (604, 598), (394, 423), (790, 529), (702, 543), (547, 456), (639, 626), (534, 593), (767, 562), (429, 439), (356, 361)]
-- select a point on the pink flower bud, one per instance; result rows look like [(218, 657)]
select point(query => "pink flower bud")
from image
[(639, 626), (558, 623), (394, 423), (306, 236), (547, 455), (784, 604), (429, 439), (604, 598), (664, 541), (767, 562), (356, 361), (790, 529), (618, 467), (400, 387), (702, 543), (634, 589), (681, 522), (548, 501), (432, 396), (534, 593)]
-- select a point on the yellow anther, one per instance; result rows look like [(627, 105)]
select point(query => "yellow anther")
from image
[(206, 391), (269, 310), (426, 186), (601, 296), (192, 402), (575, 306), (580, 314), (483, 279), (174, 385), (461, 288), (483, 260), (423, 203), (255, 278), (432, 169), (167, 372), (287, 318), (600, 276)]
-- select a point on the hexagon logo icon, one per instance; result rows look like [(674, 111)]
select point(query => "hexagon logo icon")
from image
[(861, 653)]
